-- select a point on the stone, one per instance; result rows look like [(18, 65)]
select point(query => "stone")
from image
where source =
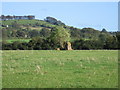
[(58, 49), (69, 46)]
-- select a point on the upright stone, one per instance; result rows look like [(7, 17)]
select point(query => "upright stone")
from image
[(57, 48), (69, 46)]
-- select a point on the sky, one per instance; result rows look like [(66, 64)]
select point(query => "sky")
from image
[(97, 15)]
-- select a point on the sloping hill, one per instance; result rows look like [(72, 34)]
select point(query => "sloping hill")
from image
[(25, 22), (41, 27), (40, 35)]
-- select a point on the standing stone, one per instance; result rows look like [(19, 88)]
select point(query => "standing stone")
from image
[(58, 49), (69, 46)]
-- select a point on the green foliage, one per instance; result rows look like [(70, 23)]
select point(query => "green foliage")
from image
[(53, 21), (75, 33), (87, 44), (103, 37), (60, 35), (6, 46), (118, 39), (36, 43), (45, 32), (90, 33), (104, 30), (111, 43), (15, 25), (20, 33), (34, 33)]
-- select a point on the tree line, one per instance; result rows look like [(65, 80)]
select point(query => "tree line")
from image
[(58, 39), (39, 43)]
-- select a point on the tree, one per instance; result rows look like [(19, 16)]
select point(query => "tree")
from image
[(6, 46), (16, 25), (34, 33), (53, 21), (78, 44), (36, 43), (45, 32), (111, 43), (104, 30), (75, 33), (118, 39), (15, 45), (20, 33), (59, 35)]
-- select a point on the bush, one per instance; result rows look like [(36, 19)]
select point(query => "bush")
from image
[(87, 44)]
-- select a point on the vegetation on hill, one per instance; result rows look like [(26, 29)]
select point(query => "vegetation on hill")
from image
[(52, 33)]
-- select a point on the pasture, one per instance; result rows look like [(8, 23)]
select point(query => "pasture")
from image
[(14, 40), (20, 40), (60, 69)]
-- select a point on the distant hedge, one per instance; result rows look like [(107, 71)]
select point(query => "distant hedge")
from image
[(47, 44)]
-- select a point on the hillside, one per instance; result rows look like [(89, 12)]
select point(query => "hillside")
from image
[(27, 22), (13, 30), (38, 25)]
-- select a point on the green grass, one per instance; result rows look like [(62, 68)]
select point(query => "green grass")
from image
[(13, 40), (20, 40), (26, 22), (60, 69)]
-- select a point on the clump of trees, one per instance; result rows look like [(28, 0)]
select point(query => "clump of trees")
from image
[(53, 21), (109, 43)]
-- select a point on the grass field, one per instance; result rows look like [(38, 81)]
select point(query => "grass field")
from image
[(14, 40), (9, 22), (20, 40), (60, 69)]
